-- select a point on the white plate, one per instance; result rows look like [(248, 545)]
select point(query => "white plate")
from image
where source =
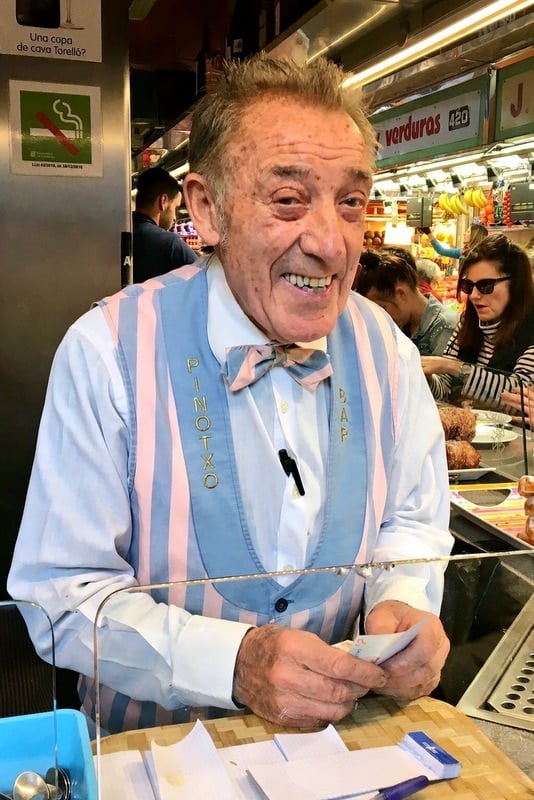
[(486, 416), (489, 434), (457, 475)]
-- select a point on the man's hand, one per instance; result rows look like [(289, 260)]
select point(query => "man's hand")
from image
[(293, 678), (416, 670)]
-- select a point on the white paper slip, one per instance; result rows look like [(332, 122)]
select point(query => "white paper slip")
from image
[(239, 758), (310, 745), (192, 768), (342, 775), (123, 776), (379, 647)]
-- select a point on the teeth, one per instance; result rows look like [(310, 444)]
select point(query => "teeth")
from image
[(303, 281)]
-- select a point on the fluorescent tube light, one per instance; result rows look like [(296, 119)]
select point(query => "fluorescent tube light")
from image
[(465, 26), (181, 170)]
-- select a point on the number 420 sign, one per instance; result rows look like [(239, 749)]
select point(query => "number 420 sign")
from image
[(55, 129), (459, 118)]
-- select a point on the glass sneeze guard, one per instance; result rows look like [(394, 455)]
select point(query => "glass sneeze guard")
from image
[(511, 570)]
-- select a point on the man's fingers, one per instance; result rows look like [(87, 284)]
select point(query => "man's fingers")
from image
[(293, 678)]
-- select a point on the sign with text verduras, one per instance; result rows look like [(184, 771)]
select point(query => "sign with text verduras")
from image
[(435, 124), (55, 129)]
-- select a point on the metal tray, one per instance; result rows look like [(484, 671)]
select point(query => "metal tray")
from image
[(488, 696)]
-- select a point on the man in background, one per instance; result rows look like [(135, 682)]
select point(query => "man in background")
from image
[(390, 279), (155, 248), (429, 275)]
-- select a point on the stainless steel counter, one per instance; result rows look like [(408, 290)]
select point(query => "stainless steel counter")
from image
[(488, 612)]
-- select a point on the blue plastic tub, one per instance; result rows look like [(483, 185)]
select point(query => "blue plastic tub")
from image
[(27, 743)]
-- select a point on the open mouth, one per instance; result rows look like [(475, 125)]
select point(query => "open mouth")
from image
[(307, 283)]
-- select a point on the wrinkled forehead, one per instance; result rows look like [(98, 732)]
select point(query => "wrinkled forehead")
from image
[(285, 118)]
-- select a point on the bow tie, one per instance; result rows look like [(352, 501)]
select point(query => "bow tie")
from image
[(245, 364)]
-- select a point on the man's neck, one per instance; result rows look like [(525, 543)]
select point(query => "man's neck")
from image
[(149, 213), (419, 308)]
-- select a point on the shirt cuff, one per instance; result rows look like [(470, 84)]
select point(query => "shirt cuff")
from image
[(204, 661), (415, 592)]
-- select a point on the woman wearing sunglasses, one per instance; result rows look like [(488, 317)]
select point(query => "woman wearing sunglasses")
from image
[(492, 347)]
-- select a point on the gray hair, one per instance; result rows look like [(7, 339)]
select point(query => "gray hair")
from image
[(218, 115), (427, 269)]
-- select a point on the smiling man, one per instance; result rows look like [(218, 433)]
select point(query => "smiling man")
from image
[(248, 415)]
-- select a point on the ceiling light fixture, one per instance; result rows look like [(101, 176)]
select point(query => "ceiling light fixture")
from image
[(467, 158), (179, 171), (464, 26)]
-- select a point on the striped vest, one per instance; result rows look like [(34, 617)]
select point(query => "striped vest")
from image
[(187, 512)]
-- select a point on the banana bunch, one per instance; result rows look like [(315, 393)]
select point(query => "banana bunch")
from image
[(476, 198), (452, 204)]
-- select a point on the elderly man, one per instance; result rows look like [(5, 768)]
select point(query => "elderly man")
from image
[(187, 435)]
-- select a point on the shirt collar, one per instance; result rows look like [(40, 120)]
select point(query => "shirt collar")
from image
[(228, 325)]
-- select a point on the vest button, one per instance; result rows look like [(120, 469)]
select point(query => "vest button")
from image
[(281, 605)]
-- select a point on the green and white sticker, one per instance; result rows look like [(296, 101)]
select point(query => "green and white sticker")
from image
[(55, 129)]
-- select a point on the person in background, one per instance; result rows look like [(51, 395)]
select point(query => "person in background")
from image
[(473, 236), (392, 282), (429, 275), (207, 443), (156, 249), (492, 348)]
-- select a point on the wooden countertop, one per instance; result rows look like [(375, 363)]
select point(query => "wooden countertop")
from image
[(487, 774)]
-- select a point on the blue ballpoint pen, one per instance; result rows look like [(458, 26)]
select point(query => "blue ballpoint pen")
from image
[(402, 790)]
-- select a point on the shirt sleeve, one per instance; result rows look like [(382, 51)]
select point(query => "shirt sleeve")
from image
[(75, 538), (443, 250), (181, 253), (416, 515)]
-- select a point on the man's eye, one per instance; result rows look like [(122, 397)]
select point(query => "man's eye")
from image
[(287, 200), (355, 202)]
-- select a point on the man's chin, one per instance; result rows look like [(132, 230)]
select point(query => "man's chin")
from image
[(303, 335)]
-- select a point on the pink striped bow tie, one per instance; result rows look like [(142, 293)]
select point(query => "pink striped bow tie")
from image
[(245, 364)]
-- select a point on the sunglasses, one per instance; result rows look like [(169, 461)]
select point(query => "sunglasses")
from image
[(484, 286)]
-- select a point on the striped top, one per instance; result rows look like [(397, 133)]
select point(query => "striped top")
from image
[(483, 384)]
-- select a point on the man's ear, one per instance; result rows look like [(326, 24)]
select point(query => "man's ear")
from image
[(202, 210), (163, 202), (400, 292)]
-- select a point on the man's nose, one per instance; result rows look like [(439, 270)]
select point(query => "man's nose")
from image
[(322, 236)]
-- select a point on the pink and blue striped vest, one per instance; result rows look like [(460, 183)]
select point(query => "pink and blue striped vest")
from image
[(187, 510)]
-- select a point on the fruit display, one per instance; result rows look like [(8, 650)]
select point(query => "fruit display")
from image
[(447, 289), (507, 202), (373, 239), (475, 197), (487, 214), (458, 203), (452, 204)]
